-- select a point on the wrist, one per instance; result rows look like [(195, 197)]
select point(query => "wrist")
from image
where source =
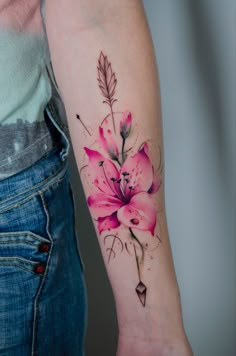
[(161, 316), (158, 331), (169, 346)]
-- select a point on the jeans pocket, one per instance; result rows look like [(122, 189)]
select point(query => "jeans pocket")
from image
[(23, 259), (24, 241), (25, 249)]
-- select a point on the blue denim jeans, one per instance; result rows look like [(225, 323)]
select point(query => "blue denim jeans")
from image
[(43, 304)]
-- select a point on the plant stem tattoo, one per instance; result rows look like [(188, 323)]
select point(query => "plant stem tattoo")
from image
[(123, 182)]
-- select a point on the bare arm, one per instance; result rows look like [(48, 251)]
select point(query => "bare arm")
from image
[(105, 67)]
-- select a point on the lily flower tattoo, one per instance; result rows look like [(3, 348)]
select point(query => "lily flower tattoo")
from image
[(123, 182)]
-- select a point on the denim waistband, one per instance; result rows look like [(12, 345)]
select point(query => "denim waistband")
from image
[(52, 167)]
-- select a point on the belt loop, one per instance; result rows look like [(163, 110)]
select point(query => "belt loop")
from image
[(63, 154), (65, 150)]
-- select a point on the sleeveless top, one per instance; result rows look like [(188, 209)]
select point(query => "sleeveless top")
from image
[(27, 85)]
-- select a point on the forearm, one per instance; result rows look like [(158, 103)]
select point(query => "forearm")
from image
[(123, 182)]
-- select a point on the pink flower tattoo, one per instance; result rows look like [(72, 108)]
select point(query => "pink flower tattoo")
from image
[(124, 194)]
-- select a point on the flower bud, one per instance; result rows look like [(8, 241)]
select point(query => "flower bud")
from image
[(125, 124)]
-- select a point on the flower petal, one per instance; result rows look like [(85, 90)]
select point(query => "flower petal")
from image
[(108, 144), (108, 223), (140, 213), (101, 171), (140, 174), (156, 183), (102, 205)]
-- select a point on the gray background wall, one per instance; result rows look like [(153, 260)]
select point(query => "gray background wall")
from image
[(195, 46)]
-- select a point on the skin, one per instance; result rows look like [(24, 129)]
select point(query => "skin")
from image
[(78, 31)]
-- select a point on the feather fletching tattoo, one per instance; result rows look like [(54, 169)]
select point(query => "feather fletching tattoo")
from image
[(107, 83)]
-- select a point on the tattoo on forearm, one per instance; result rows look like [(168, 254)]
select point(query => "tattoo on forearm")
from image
[(123, 182)]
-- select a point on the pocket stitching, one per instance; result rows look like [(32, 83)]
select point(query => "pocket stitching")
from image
[(17, 258), (36, 237), (35, 311), (18, 265)]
